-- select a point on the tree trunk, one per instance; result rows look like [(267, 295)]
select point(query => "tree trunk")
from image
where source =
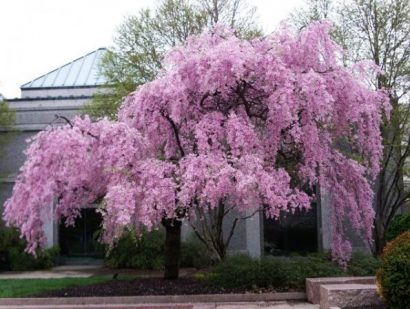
[(172, 247), (220, 239), (379, 236)]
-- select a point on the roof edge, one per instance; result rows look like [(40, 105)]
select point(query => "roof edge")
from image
[(24, 86), (65, 87)]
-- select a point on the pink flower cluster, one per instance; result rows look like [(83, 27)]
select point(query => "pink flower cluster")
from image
[(249, 123)]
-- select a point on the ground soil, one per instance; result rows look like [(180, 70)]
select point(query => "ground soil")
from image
[(145, 286)]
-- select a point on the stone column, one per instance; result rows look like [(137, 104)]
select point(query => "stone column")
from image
[(254, 235)]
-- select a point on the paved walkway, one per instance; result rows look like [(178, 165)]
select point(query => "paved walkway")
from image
[(253, 305), (56, 272), (84, 271)]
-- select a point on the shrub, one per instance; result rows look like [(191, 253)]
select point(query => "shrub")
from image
[(13, 257), (271, 272), (393, 276), (194, 253), (234, 272), (145, 252), (363, 264), (46, 258), (8, 240), (399, 224)]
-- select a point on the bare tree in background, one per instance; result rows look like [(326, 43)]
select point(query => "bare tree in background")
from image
[(237, 14), (142, 41)]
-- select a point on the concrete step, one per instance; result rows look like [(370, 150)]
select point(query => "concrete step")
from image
[(313, 285), (350, 296)]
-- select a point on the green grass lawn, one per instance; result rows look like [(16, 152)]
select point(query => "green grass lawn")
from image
[(26, 287)]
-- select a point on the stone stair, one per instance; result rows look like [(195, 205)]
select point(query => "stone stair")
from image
[(344, 292)]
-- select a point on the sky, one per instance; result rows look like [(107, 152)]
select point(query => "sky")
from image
[(39, 36)]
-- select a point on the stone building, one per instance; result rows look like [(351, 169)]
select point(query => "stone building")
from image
[(62, 92)]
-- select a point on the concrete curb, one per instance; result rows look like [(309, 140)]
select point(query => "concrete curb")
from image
[(162, 299), (117, 306)]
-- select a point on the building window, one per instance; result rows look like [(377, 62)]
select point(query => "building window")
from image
[(292, 233)]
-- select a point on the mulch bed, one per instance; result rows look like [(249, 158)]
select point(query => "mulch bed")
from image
[(145, 286)]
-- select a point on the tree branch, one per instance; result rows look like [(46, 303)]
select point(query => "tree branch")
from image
[(176, 132), (64, 118), (235, 222)]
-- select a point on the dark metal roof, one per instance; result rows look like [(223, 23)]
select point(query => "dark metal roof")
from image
[(78, 73)]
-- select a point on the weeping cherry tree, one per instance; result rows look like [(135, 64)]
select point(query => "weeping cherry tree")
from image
[(228, 124)]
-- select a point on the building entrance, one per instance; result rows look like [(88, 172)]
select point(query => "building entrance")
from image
[(292, 233), (81, 240)]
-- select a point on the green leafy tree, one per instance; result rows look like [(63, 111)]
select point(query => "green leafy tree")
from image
[(378, 30), (7, 117), (142, 41)]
